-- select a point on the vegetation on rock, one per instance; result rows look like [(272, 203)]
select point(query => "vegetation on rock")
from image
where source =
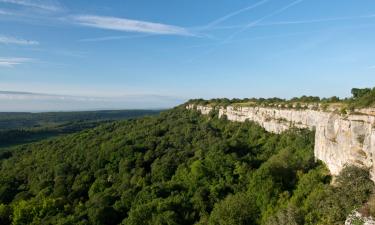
[(361, 98)]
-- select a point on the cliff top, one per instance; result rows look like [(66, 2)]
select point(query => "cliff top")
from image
[(361, 102)]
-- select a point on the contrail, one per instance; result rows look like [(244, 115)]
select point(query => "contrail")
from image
[(254, 23), (250, 25), (253, 39), (232, 14), (298, 22), (110, 38)]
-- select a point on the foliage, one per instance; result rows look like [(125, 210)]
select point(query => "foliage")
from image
[(361, 98), (175, 168), (15, 120), (359, 93), (234, 210), (18, 128)]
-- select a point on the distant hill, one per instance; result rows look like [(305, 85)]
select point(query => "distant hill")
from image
[(18, 120), (15, 93), (17, 128)]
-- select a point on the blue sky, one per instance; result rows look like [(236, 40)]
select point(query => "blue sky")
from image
[(187, 48)]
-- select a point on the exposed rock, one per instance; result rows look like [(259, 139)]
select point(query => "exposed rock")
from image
[(356, 218), (339, 139)]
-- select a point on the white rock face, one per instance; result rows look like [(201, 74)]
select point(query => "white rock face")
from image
[(356, 217), (339, 140)]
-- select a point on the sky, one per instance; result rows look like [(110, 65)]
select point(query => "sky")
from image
[(91, 54)]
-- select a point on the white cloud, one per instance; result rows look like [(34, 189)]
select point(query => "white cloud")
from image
[(40, 4), (111, 38), (128, 25), (16, 41), (11, 62)]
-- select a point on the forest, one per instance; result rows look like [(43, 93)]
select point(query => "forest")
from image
[(18, 128), (22, 120), (178, 167)]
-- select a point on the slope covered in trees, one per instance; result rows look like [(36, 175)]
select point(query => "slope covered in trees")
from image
[(19, 128), (176, 168)]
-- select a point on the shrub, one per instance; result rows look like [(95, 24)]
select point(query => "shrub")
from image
[(236, 209)]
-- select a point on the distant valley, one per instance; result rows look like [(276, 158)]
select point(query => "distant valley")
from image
[(18, 128)]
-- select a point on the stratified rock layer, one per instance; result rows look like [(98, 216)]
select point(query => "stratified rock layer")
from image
[(339, 139)]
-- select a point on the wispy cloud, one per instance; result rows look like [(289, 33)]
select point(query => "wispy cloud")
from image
[(44, 5), (6, 13), (12, 95), (111, 38), (232, 14), (276, 36), (256, 22), (247, 27), (128, 25), (280, 23), (11, 62), (16, 41)]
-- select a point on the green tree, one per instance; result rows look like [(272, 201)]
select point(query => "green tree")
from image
[(5, 214), (238, 209), (360, 92)]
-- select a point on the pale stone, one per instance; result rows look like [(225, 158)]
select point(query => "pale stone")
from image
[(339, 139), (355, 217)]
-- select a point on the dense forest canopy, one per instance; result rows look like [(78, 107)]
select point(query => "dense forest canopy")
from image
[(16, 120), (19, 128), (361, 98), (176, 168)]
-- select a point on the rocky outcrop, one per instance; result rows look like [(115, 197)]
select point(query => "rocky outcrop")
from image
[(357, 218), (339, 139)]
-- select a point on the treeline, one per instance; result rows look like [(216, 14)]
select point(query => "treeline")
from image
[(361, 98), (176, 168), (26, 135)]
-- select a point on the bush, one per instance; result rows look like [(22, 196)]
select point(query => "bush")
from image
[(5, 214), (236, 209), (288, 216), (363, 97), (359, 93)]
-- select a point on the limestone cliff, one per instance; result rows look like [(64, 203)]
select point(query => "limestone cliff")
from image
[(339, 139)]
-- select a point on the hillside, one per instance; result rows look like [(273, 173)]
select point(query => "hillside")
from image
[(344, 132), (18, 128), (16, 120), (176, 168)]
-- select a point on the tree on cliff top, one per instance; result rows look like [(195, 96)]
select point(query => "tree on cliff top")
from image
[(360, 92)]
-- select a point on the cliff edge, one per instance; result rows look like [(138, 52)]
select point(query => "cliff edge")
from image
[(339, 139)]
